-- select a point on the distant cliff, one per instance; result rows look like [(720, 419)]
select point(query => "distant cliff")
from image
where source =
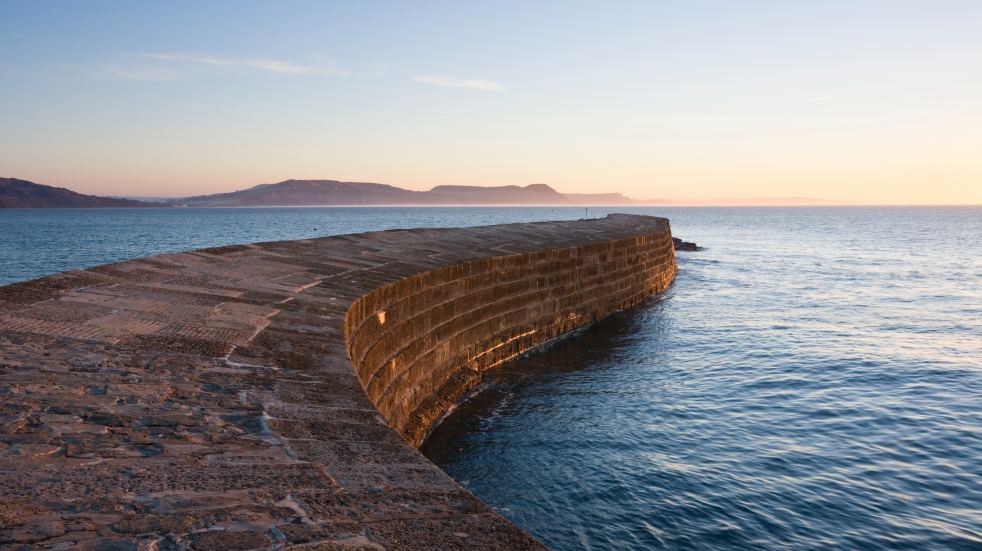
[(20, 194), (15, 193), (332, 192), (534, 193), (305, 192)]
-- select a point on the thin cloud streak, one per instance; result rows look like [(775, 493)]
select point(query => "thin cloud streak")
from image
[(115, 71), (263, 64), (454, 82)]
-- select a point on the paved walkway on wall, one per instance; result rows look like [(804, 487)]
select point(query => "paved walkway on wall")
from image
[(204, 400)]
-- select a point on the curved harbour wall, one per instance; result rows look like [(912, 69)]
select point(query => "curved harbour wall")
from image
[(418, 344), (206, 400)]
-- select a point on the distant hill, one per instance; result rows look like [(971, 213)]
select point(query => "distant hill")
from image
[(530, 194), (307, 192), (21, 194), (15, 193), (333, 192)]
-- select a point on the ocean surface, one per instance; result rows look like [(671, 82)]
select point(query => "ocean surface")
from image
[(812, 380)]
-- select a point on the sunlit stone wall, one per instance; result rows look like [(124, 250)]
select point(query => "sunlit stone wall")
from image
[(418, 344)]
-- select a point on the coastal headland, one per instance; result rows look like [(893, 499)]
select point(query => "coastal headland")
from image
[(273, 395)]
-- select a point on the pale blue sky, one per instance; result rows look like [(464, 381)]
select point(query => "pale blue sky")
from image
[(858, 101)]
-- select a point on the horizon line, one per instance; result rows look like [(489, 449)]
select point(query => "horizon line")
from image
[(755, 201)]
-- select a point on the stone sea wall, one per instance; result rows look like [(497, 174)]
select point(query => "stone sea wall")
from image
[(420, 343), (270, 396)]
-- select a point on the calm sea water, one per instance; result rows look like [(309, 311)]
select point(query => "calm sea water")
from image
[(812, 380), (37, 242)]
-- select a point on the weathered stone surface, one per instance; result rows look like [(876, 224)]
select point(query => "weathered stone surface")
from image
[(272, 395)]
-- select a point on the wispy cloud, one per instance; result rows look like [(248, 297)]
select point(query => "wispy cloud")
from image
[(173, 66), (453, 82), (263, 64), (136, 72)]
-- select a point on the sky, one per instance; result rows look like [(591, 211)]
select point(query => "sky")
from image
[(871, 102)]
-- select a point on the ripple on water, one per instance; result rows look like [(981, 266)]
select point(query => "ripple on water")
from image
[(789, 392)]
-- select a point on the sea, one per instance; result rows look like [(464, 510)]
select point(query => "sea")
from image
[(812, 379)]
